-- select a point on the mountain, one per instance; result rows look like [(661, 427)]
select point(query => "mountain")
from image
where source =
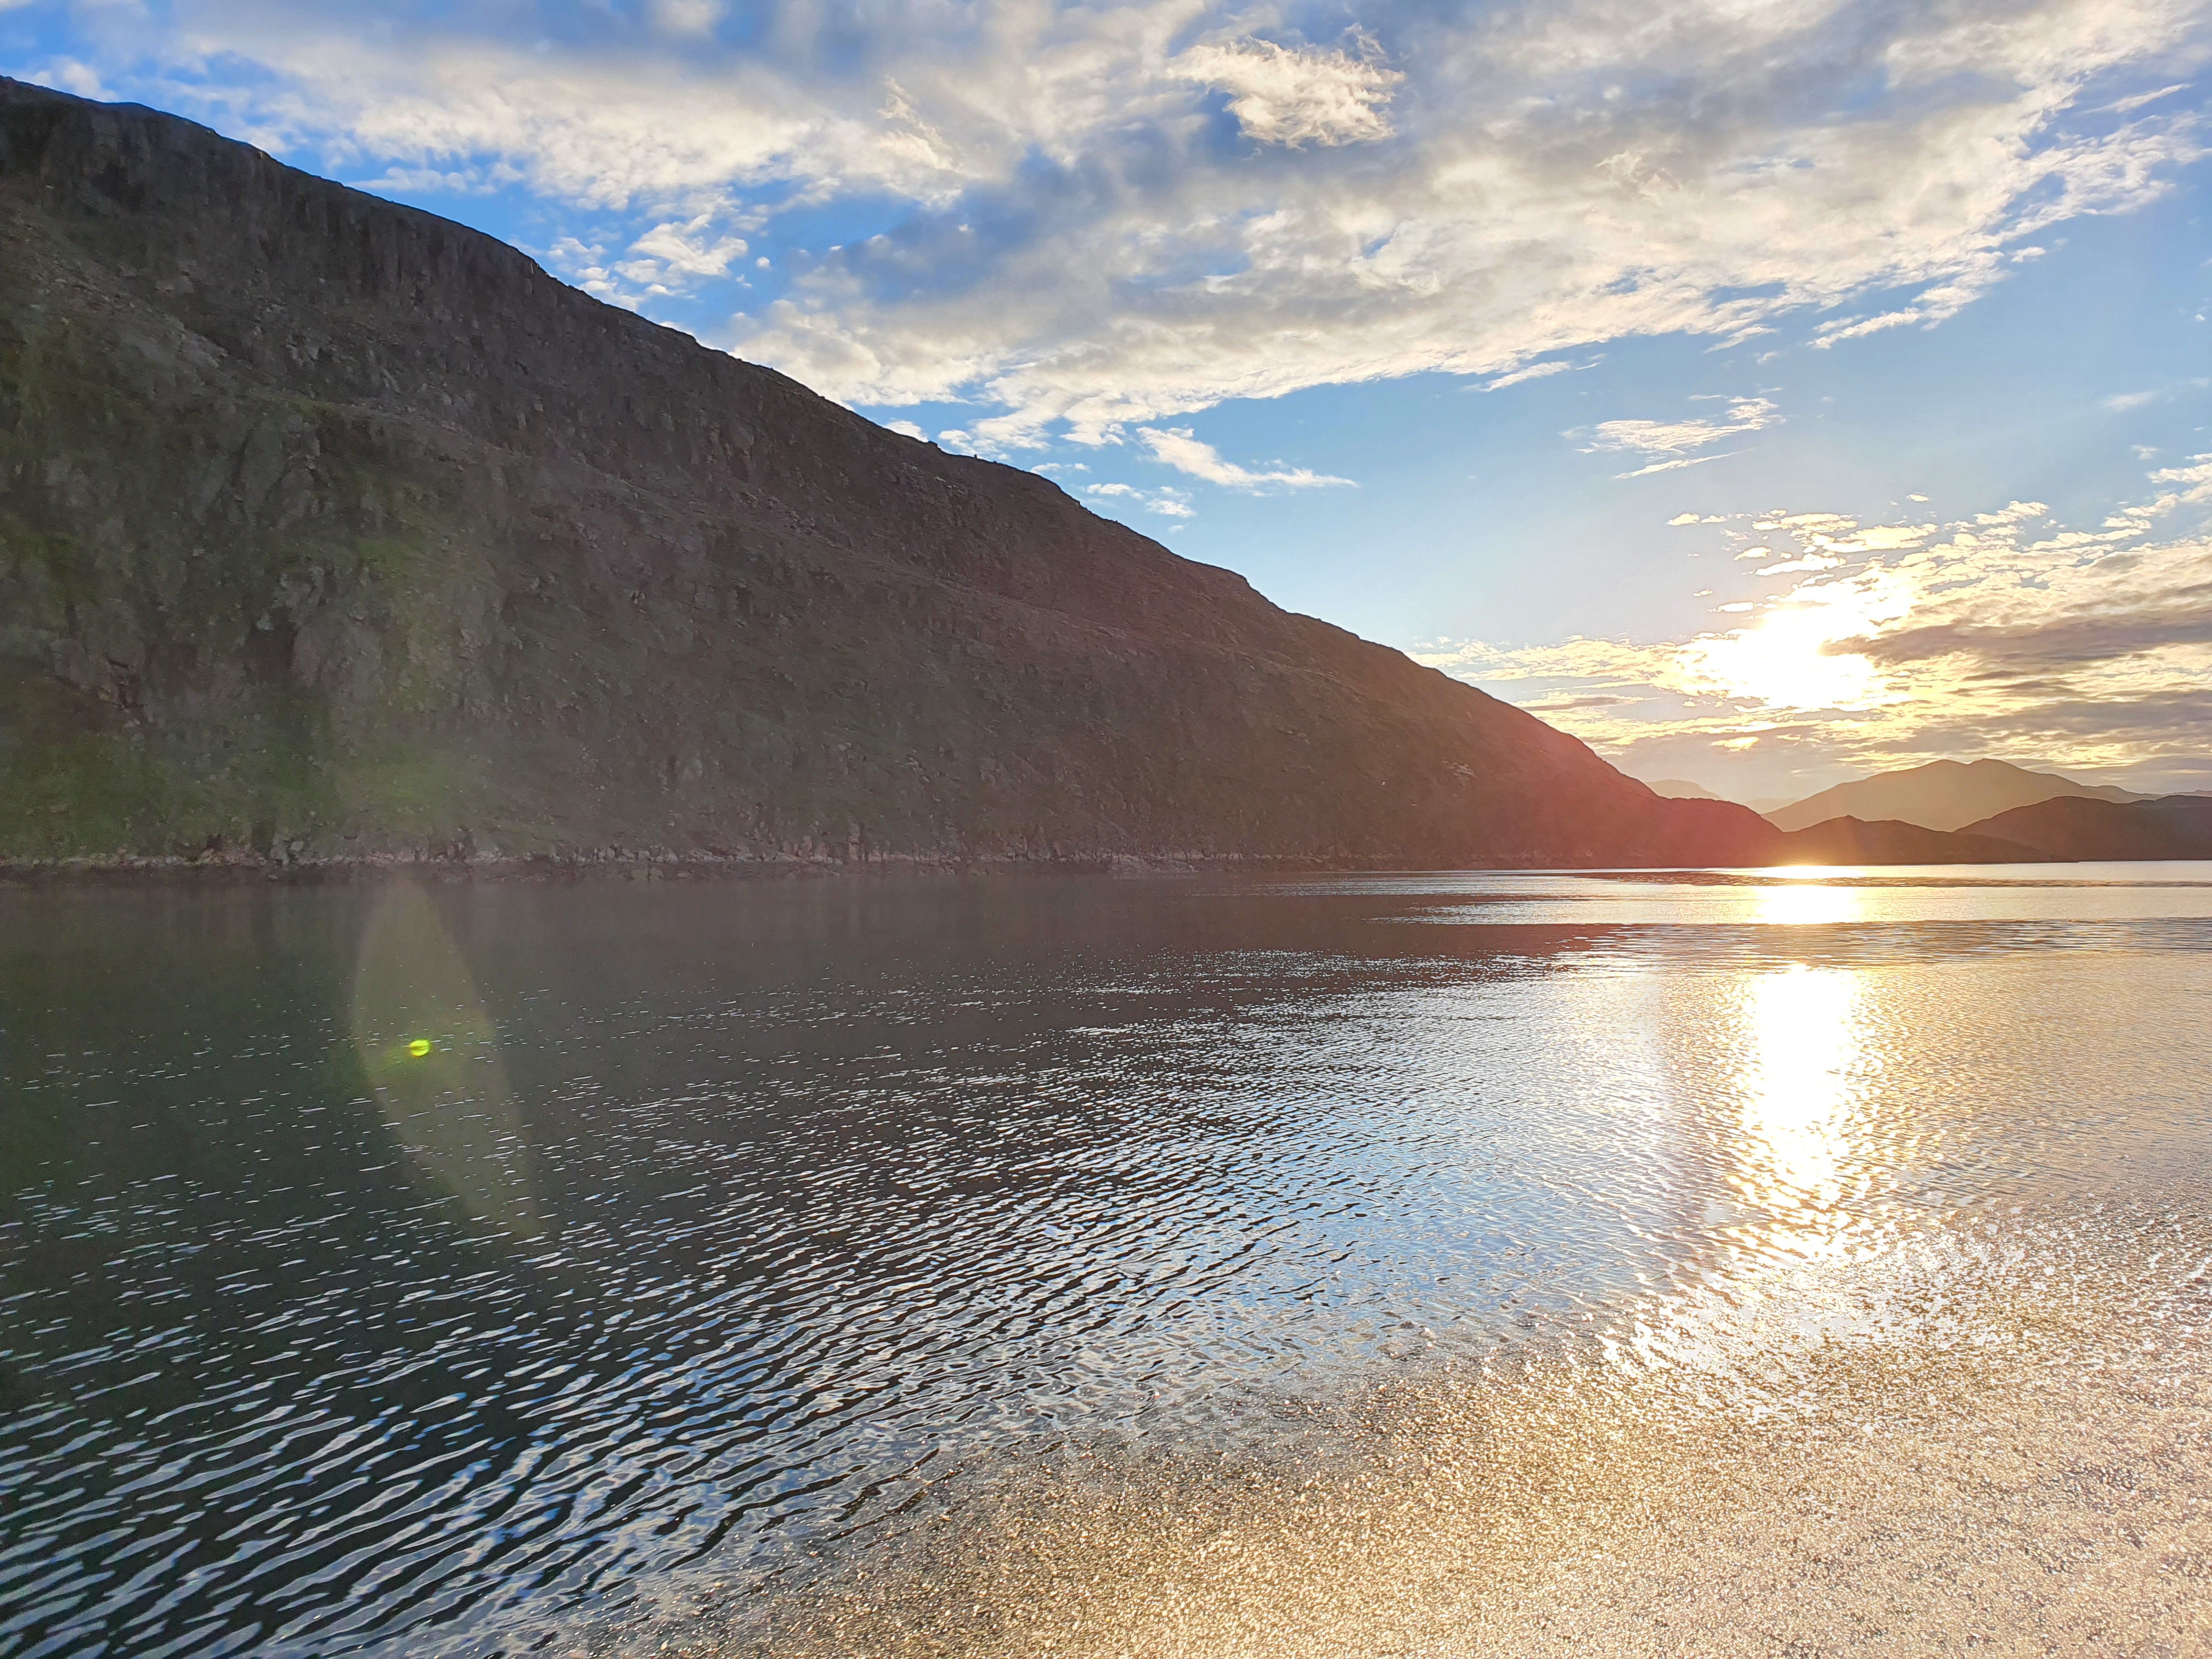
[(1941, 795), (1683, 789), (1852, 841), (2169, 827), (331, 528)]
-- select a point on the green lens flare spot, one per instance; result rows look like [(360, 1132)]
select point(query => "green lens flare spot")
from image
[(419, 1048)]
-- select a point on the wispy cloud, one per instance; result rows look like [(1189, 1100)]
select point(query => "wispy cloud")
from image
[(1677, 465), (1169, 503), (1678, 437), (1176, 447), (1294, 97), (1534, 372), (2121, 402)]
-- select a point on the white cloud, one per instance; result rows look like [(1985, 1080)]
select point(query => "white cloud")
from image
[(1284, 96), (1168, 502), (1676, 465), (687, 17), (685, 250), (1534, 372), (1677, 437), (2122, 401), (1683, 518), (1176, 447), (1073, 247), (906, 428), (68, 74), (2141, 98)]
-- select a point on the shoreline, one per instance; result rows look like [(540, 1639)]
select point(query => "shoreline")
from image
[(135, 869), (240, 869)]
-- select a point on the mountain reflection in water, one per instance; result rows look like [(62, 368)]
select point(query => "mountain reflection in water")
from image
[(1464, 1263)]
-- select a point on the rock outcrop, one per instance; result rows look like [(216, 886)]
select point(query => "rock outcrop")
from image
[(330, 528)]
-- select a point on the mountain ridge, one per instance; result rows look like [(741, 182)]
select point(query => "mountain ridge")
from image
[(2165, 827), (1945, 794)]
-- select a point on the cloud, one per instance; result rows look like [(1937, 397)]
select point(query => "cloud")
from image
[(1283, 96), (1676, 465), (1065, 237), (1534, 372), (686, 17), (683, 249), (1676, 437), (1684, 518), (1176, 447), (68, 75), (2001, 633), (2120, 402), (1168, 502), (2141, 98), (906, 430)]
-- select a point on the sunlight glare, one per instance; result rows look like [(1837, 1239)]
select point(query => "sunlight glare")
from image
[(1806, 903), (1784, 662), (1806, 1048)]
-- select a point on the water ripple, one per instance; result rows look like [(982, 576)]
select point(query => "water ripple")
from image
[(732, 1227)]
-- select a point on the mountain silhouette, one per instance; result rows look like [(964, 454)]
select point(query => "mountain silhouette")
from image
[(2168, 827), (1941, 795)]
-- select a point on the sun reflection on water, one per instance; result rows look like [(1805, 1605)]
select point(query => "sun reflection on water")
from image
[(1807, 903), (1807, 1055)]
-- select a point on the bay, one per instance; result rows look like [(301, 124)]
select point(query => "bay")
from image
[(965, 1264)]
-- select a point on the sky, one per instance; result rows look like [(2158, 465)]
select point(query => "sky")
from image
[(1768, 393)]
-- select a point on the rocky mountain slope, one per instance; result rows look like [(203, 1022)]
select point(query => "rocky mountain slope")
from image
[(328, 528), (324, 521), (1941, 795), (2169, 827)]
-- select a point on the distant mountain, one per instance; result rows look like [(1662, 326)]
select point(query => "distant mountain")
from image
[(1941, 795), (1850, 840), (1682, 789), (2169, 827)]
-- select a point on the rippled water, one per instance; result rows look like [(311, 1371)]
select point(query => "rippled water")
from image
[(842, 1266)]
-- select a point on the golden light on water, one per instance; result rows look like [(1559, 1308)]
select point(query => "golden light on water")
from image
[(1806, 1056), (1806, 904)]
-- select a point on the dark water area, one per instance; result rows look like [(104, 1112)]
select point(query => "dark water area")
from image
[(491, 1268)]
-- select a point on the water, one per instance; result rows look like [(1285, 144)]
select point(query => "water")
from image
[(1153, 1266)]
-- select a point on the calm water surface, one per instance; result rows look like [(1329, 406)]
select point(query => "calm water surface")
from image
[(485, 1269)]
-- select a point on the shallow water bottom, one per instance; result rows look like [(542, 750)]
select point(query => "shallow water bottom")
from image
[(1998, 1442)]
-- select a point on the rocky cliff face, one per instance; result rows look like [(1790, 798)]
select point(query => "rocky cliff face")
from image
[(329, 528)]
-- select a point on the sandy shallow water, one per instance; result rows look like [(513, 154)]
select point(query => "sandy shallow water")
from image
[(1993, 1444)]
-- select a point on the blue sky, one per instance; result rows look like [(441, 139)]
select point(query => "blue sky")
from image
[(1769, 394)]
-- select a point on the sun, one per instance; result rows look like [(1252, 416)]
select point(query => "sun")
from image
[(1786, 661)]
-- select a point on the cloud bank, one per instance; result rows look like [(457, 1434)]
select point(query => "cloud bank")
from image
[(1085, 221)]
